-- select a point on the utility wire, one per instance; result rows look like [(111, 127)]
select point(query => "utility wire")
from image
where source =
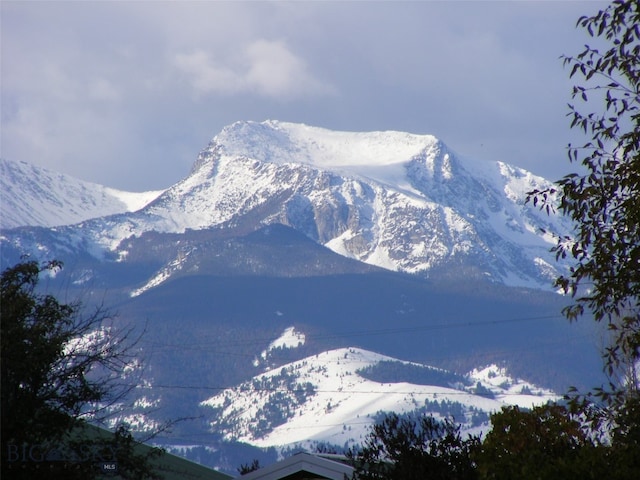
[(335, 391), (355, 333)]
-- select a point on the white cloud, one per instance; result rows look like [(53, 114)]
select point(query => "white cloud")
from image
[(276, 72), (205, 75), (266, 68), (126, 93)]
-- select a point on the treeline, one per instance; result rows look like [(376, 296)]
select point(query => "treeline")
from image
[(390, 371)]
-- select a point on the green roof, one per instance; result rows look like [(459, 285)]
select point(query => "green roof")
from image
[(169, 466), (173, 467)]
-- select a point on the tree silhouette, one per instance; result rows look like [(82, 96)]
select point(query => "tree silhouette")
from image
[(58, 369), (415, 447)]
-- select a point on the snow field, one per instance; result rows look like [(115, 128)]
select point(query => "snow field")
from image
[(344, 404)]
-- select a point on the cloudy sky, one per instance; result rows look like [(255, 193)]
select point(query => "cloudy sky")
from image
[(127, 93)]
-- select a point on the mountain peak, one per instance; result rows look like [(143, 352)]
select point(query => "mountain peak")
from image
[(379, 156), (395, 200)]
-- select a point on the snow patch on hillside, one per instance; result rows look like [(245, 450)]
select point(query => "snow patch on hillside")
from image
[(290, 338), (163, 275), (511, 391), (134, 201)]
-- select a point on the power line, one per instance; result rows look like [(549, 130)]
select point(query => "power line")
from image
[(555, 344), (357, 333), (333, 391), (562, 343)]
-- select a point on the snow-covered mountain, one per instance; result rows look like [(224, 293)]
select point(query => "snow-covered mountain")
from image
[(395, 200), (34, 196), (336, 396)]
